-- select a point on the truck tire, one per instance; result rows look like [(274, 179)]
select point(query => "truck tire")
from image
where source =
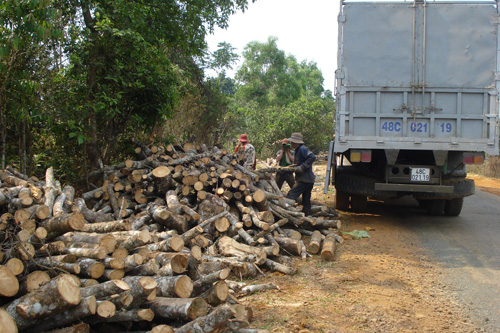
[(341, 200), (359, 203), (453, 207), (424, 204), (436, 206), (351, 182)]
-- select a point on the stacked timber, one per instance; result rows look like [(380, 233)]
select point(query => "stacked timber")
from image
[(151, 246)]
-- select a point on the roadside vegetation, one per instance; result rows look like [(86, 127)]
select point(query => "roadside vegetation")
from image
[(490, 168), (82, 82)]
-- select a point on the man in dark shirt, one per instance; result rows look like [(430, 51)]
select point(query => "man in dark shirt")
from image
[(304, 176), (284, 157)]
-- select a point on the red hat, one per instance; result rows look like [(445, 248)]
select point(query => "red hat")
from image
[(243, 138)]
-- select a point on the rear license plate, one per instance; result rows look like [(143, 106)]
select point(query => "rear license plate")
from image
[(420, 174)]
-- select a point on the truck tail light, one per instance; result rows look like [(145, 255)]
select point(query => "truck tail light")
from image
[(473, 158), (364, 156)]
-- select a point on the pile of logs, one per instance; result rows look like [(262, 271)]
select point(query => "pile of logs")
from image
[(158, 245)]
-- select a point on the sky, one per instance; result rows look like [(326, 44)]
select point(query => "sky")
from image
[(306, 29)]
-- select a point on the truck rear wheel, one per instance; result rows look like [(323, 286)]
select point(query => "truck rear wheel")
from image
[(341, 200), (436, 206), (453, 207), (359, 203)]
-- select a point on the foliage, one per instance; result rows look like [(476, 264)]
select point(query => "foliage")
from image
[(80, 79), (277, 95)]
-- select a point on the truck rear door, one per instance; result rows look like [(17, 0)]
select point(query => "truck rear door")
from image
[(418, 75)]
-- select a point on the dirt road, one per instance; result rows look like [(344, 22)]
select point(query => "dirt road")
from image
[(415, 273)]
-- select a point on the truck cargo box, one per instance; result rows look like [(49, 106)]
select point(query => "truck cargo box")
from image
[(418, 75)]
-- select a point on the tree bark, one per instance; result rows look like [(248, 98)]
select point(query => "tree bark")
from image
[(216, 321), (179, 308), (174, 286), (55, 296)]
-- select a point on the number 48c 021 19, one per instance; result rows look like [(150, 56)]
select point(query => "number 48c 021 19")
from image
[(420, 174)]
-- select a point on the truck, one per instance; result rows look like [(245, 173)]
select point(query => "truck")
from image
[(417, 87)]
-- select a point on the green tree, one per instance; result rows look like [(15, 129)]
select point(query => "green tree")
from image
[(28, 31), (128, 59), (277, 95), (94, 74)]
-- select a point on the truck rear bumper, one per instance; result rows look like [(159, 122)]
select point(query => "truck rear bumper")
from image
[(414, 188)]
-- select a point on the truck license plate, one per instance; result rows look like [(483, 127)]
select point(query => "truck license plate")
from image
[(420, 174)]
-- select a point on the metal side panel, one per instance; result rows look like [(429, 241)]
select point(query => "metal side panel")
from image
[(423, 76)]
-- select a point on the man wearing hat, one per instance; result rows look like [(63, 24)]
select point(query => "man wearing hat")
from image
[(284, 158), (245, 153), (304, 176)]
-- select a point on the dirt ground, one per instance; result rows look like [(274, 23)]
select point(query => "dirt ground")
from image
[(385, 283)]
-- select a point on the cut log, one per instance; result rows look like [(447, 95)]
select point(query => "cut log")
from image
[(90, 215), (91, 268), (21, 250), (55, 296), (174, 286), (85, 308), (162, 329), (7, 323), (205, 282), (92, 253), (9, 285), (15, 265), (174, 262), (328, 250), (280, 267), (143, 288), (257, 288), (105, 289), (105, 227), (216, 321), (326, 224), (50, 189), (65, 223), (113, 274), (216, 294), (113, 263), (133, 315), (172, 244), (229, 247), (32, 281), (289, 245), (179, 308), (105, 309), (131, 239), (315, 243), (151, 267), (63, 201)]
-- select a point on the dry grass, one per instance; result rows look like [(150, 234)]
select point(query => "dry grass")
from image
[(490, 168)]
